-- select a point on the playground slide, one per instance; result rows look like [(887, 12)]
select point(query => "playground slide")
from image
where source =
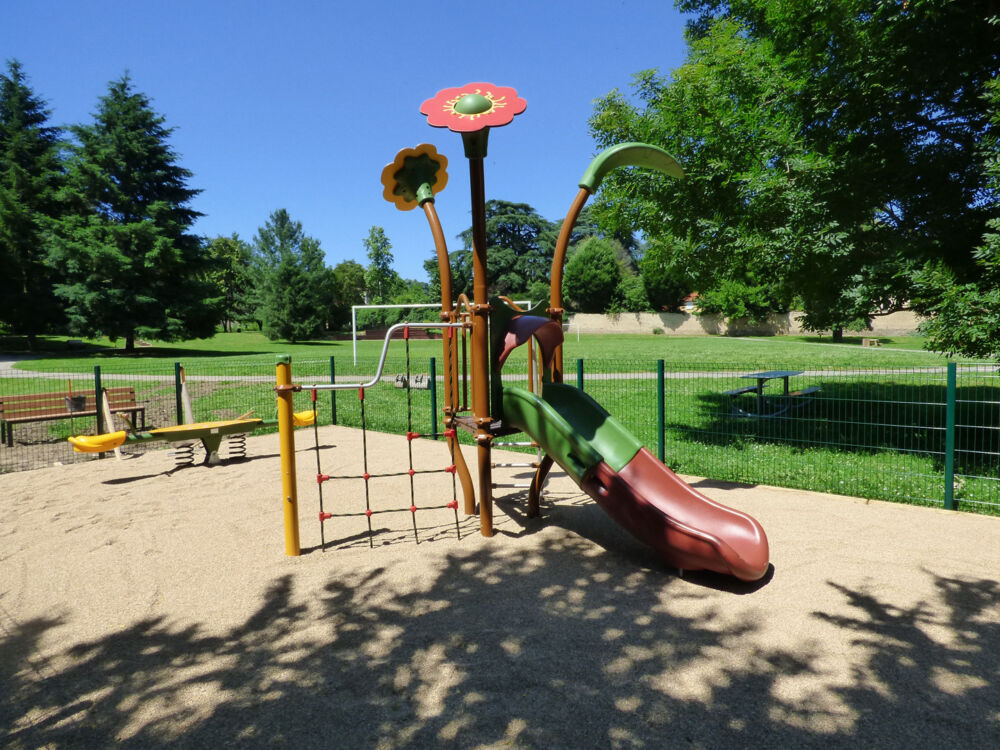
[(687, 529)]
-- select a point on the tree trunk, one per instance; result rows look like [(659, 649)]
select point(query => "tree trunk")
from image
[(130, 343), (838, 335)]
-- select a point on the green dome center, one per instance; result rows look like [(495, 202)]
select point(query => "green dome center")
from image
[(473, 104)]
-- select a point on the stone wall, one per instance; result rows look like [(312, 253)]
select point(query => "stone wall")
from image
[(683, 324)]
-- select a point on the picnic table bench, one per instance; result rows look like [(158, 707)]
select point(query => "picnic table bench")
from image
[(780, 404), (44, 407)]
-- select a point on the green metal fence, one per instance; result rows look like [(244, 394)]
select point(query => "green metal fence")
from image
[(925, 436)]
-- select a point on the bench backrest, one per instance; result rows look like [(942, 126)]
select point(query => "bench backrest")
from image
[(58, 402)]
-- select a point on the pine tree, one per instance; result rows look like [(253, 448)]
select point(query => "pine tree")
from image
[(292, 284), (132, 266), (30, 173), (520, 243)]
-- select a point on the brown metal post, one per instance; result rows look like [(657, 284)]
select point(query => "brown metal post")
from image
[(558, 261), (450, 346), (480, 345)]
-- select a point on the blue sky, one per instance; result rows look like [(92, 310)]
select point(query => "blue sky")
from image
[(300, 105)]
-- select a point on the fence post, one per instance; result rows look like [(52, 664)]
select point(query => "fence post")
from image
[(333, 394), (177, 393), (661, 411), (949, 440), (434, 399), (579, 374)]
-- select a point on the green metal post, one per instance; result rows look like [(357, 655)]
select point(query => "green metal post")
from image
[(579, 374), (333, 394), (177, 393), (434, 399), (949, 440), (97, 399), (661, 412)]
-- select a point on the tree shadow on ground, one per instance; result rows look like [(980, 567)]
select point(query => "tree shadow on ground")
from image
[(550, 647)]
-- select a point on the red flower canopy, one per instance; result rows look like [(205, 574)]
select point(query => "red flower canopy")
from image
[(473, 107)]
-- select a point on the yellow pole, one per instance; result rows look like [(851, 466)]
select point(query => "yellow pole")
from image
[(286, 439)]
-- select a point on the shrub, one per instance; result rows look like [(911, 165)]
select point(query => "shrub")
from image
[(592, 276)]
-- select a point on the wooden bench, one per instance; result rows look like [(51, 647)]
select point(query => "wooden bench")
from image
[(805, 391), (870, 342), (44, 407)]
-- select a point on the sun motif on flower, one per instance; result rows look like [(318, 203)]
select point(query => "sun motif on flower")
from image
[(414, 176), (473, 107)]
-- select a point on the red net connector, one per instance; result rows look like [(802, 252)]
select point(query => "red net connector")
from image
[(368, 512), (361, 394), (366, 476), (324, 516), (451, 469), (320, 478), (406, 332), (413, 509), (411, 472), (411, 436), (450, 432), (314, 395), (453, 505)]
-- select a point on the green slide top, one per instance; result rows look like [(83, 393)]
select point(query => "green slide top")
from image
[(571, 427)]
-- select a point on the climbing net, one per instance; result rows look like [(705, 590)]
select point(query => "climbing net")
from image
[(411, 472)]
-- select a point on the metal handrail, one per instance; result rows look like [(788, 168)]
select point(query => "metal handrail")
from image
[(381, 361)]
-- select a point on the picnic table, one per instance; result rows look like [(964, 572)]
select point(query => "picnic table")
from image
[(770, 407)]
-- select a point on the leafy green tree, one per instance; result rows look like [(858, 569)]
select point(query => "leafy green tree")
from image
[(667, 282), (892, 93), (592, 276), (746, 213), (630, 295), (348, 290), (230, 274), (538, 291), (737, 300), (412, 291), (292, 284), (381, 281), (519, 245), (834, 148), (30, 175), (964, 317), (590, 223), (461, 274), (131, 266)]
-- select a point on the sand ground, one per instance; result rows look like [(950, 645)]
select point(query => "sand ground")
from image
[(142, 605)]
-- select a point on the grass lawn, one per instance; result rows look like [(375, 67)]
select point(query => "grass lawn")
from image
[(875, 431), (738, 352)]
